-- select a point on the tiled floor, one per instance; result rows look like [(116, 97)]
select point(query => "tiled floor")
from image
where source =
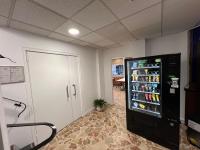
[(105, 131), (118, 96)]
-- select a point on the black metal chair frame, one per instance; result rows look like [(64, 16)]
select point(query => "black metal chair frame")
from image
[(53, 134)]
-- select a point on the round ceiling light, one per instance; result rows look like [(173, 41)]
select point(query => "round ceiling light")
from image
[(73, 31)]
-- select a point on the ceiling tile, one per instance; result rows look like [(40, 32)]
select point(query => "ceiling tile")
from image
[(79, 42), (105, 43), (64, 7), (95, 46), (95, 16), (63, 29), (115, 32), (60, 37), (123, 8), (92, 38), (148, 32), (31, 13), (3, 21), (180, 15), (116, 45), (28, 28), (144, 19), (5, 7)]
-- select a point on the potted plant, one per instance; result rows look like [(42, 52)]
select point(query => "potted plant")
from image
[(99, 104)]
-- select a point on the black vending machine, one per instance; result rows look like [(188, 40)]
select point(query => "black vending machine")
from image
[(153, 98)]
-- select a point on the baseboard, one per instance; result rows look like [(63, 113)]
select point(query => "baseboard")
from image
[(88, 111)]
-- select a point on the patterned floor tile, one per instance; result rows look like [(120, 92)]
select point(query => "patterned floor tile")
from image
[(105, 131)]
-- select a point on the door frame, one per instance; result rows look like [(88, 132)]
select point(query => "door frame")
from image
[(28, 86), (112, 74)]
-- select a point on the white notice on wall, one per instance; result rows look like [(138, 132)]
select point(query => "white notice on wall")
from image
[(4, 74), (11, 74), (17, 74)]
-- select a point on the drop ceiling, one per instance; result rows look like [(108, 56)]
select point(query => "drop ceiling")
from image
[(102, 23)]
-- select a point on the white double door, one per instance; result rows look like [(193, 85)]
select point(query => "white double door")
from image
[(55, 90)]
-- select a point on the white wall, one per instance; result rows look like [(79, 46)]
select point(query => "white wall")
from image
[(12, 44), (4, 143), (173, 44), (100, 70), (130, 49)]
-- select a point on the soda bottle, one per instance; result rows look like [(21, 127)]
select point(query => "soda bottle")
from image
[(150, 97)]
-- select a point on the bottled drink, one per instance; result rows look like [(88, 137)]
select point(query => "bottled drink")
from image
[(136, 95), (153, 97), (142, 88), (150, 97), (146, 71), (157, 98), (146, 97), (158, 79), (149, 78), (134, 87), (146, 87), (133, 96)]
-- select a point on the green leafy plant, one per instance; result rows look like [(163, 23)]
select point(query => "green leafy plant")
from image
[(99, 103)]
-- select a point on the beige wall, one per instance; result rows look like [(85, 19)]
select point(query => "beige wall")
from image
[(130, 49), (175, 43)]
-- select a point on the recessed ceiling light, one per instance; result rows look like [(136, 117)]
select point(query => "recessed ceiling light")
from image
[(73, 31)]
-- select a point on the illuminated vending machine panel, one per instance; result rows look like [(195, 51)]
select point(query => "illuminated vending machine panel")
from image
[(144, 86)]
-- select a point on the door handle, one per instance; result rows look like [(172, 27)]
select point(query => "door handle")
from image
[(74, 89), (67, 91)]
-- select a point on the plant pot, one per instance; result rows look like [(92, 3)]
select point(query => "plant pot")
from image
[(98, 108)]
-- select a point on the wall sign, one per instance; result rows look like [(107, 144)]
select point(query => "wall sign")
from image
[(174, 82), (11, 74)]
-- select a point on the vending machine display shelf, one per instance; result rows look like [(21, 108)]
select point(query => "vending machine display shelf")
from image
[(143, 101), (144, 75), (145, 92), (144, 82), (154, 67), (149, 112)]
